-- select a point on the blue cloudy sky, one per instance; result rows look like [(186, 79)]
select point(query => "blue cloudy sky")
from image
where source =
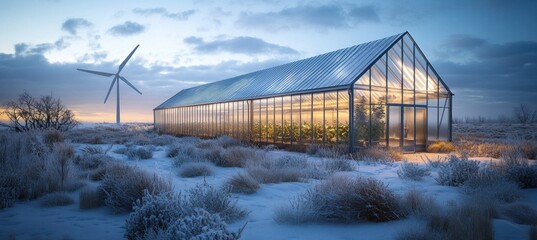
[(486, 51)]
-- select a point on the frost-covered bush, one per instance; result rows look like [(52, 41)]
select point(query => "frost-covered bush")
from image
[(491, 185), (521, 213), (412, 171), (436, 162), (169, 216), (56, 199), (153, 212), (415, 202), (196, 169), (337, 165), (215, 200), (90, 197), (468, 220), (226, 142), (139, 153), (344, 199), (524, 174), (123, 185), (53, 136), (91, 161), (236, 156), (242, 183), (377, 154), (200, 224), (180, 148), (283, 169), (456, 171)]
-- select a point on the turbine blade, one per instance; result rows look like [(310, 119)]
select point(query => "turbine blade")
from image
[(127, 59), (128, 83), (109, 90), (96, 72)]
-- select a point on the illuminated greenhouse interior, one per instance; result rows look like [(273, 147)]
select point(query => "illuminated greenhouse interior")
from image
[(383, 92)]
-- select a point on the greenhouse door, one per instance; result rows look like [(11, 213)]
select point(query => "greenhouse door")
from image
[(407, 127)]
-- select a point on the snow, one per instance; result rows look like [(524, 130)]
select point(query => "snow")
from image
[(28, 220)]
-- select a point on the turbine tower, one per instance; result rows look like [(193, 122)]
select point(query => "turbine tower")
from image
[(117, 77)]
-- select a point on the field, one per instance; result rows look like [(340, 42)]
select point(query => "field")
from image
[(89, 184)]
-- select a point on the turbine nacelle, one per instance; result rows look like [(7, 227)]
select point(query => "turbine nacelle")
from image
[(116, 79)]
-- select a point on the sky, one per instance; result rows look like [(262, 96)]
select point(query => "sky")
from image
[(485, 51)]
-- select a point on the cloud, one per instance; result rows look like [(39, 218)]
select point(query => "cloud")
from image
[(126, 29), (242, 44), (315, 16), (180, 16), (40, 49), (497, 73), (72, 25)]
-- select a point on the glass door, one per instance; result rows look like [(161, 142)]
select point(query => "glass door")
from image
[(394, 126)]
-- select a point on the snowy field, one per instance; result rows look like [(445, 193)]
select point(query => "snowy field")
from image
[(29, 219)]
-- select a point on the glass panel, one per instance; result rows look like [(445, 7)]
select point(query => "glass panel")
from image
[(278, 134), (363, 80), (256, 134), (343, 116), (295, 126), (378, 73), (421, 115), (421, 75), (408, 65), (394, 74), (269, 127), (421, 98), (330, 117), (432, 122), (361, 119), (264, 120), (395, 126), (408, 97), (287, 119), (306, 127), (318, 126), (408, 130), (432, 81), (378, 124)]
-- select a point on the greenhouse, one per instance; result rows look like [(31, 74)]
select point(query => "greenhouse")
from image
[(383, 92)]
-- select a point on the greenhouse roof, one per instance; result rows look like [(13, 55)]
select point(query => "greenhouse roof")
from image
[(334, 70)]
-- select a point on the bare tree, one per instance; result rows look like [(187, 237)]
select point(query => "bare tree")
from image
[(28, 113), (524, 114)]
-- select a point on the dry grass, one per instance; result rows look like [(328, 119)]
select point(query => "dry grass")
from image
[(441, 147)]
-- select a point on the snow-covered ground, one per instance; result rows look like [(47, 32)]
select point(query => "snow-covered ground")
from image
[(29, 220)]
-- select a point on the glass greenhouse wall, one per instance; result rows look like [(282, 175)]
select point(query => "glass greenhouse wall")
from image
[(397, 100)]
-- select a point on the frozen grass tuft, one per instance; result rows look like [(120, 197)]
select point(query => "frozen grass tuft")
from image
[(215, 201), (90, 197), (56, 199), (234, 156), (242, 183), (123, 185), (521, 213), (343, 199), (378, 154), (456, 171), (195, 169), (416, 203), (136, 152), (412, 171), (337, 165)]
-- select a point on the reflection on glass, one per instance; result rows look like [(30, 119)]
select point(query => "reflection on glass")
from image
[(305, 127), (395, 126), (318, 115)]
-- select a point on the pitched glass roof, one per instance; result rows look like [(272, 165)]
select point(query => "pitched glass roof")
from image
[(337, 69)]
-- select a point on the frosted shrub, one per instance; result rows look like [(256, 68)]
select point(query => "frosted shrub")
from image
[(491, 185), (153, 213), (196, 169), (242, 183), (226, 142), (523, 174), (337, 165), (123, 185), (236, 156), (415, 202), (456, 171), (345, 199), (169, 216), (56, 199), (133, 152), (92, 150), (179, 149), (200, 224), (521, 213), (412, 171), (215, 201), (435, 163), (377, 154)]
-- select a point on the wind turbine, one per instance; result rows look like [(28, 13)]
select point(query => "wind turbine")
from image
[(117, 77)]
